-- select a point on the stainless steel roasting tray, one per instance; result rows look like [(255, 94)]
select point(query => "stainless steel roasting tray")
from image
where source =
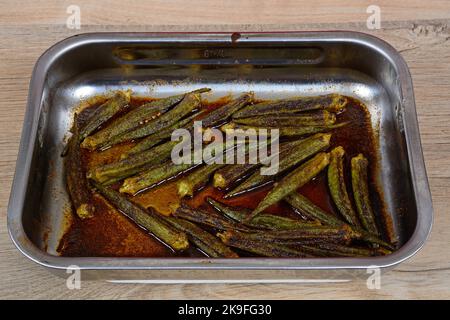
[(270, 64)]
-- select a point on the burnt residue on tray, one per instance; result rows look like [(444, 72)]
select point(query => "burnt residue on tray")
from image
[(110, 233)]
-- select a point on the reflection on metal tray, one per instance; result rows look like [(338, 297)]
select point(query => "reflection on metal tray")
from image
[(271, 65)]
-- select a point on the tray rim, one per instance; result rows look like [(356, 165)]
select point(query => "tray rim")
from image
[(29, 134)]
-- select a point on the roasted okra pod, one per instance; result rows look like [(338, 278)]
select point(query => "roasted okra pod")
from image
[(153, 139), (296, 153), (309, 209), (332, 102), (190, 102), (338, 188), (337, 250), (223, 113), (129, 121), (286, 131), (205, 241), (124, 168), (148, 220), (77, 184), (207, 218), (361, 193), (105, 112), (228, 175), (196, 179), (293, 181), (262, 221), (320, 118), (153, 176), (265, 249)]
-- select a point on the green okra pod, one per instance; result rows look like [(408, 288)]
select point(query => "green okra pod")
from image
[(343, 233), (286, 131), (265, 249), (338, 189), (262, 221), (129, 121), (211, 219), (373, 239), (360, 187), (147, 219), (316, 251), (337, 250), (309, 209), (196, 179), (229, 174), (105, 112), (163, 171), (153, 176), (223, 113), (274, 222), (238, 215), (205, 241), (190, 102), (331, 102), (153, 139), (296, 153), (319, 118), (77, 184), (293, 181), (127, 167)]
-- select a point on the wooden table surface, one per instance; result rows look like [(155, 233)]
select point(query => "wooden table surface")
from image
[(418, 29)]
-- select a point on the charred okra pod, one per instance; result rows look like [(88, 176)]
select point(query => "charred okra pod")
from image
[(265, 249), (77, 184), (205, 241), (124, 168), (338, 189), (320, 118), (223, 113), (360, 187), (332, 102), (293, 181), (207, 218), (297, 152), (190, 102), (148, 220), (262, 221), (105, 112)]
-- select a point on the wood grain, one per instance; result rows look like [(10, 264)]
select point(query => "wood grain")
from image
[(418, 29), (198, 12)]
